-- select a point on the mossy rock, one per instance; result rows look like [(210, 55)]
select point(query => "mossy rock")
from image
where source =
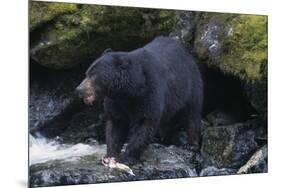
[(228, 146), (246, 48), (236, 44), (81, 36), (42, 12)]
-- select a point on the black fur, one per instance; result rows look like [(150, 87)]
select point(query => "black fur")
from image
[(147, 91)]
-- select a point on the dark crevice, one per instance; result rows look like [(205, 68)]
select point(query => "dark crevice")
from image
[(225, 93)]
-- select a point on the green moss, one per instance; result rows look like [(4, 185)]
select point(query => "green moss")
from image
[(243, 42), (41, 12), (245, 50), (75, 37)]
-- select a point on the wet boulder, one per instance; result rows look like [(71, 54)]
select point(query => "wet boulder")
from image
[(213, 171), (257, 163), (157, 162), (50, 93), (229, 146), (54, 107)]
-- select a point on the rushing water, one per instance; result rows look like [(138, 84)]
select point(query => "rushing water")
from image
[(42, 150)]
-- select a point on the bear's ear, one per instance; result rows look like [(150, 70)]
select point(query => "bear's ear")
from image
[(107, 50)]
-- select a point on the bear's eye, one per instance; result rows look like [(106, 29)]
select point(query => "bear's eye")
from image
[(123, 63)]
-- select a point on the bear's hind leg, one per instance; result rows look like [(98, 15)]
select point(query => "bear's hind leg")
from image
[(191, 119)]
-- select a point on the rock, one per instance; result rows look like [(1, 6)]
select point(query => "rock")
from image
[(71, 39), (50, 94), (213, 171), (56, 110), (42, 12), (257, 163), (229, 146), (44, 105), (73, 123), (257, 95), (157, 162), (85, 125), (185, 26), (207, 44), (217, 118), (236, 45), (205, 124)]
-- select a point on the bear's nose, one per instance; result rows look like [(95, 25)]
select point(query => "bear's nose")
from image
[(79, 92)]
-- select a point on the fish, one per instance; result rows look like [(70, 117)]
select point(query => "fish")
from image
[(112, 163)]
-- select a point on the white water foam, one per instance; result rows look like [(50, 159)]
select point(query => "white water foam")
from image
[(42, 150)]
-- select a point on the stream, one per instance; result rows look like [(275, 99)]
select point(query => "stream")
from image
[(43, 150)]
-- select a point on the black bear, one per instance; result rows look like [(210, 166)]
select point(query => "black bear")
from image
[(147, 92)]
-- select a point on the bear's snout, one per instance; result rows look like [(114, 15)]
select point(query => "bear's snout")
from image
[(79, 91), (86, 91)]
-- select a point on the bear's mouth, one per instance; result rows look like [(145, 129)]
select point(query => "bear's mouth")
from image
[(89, 98)]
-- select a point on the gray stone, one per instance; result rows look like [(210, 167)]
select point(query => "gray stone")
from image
[(217, 118), (185, 26), (213, 171), (207, 40), (257, 163), (257, 95), (157, 162), (56, 110), (222, 41), (229, 146)]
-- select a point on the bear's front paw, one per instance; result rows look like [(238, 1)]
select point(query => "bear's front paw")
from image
[(127, 159)]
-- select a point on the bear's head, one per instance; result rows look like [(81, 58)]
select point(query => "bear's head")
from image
[(114, 75)]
